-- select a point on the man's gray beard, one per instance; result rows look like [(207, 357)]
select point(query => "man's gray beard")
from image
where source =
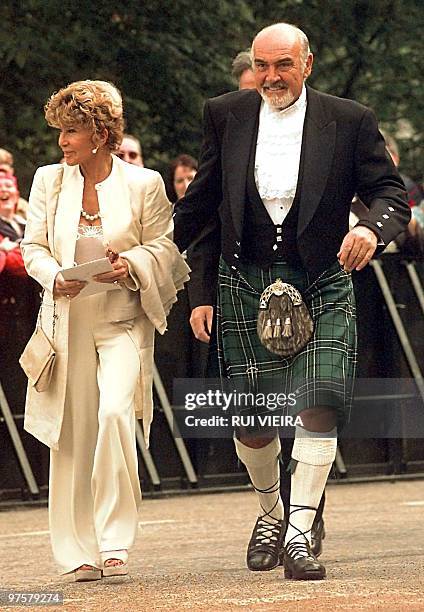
[(280, 101)]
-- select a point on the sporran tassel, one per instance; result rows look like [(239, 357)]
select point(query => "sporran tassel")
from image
[(277, 329), (287, 329), (268, 330)]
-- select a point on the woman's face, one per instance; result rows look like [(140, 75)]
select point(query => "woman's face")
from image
[(77, 144), (8, 197), (183, 176)]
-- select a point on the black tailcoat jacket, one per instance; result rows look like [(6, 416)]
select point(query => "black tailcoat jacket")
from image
[(342, 154)]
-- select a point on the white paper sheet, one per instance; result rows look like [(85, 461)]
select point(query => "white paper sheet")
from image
[(86, 271)]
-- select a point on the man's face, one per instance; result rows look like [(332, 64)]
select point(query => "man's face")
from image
[(247, 80), (278, 68), (129, 152)]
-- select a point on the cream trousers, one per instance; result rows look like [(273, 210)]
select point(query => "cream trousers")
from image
[(94, 490)]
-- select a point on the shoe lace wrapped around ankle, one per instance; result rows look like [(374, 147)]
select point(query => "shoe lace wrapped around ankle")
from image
[(295, 548), (267, 532), (268, 528), (298, 550)]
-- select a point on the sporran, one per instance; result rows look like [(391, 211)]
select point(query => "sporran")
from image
[(285, 325)]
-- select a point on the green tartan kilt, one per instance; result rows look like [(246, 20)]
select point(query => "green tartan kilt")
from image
[(322, 374)]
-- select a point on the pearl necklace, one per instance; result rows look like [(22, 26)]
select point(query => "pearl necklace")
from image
[(90, 217)]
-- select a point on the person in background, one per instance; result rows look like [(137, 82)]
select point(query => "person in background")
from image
[(130, 150), (104, 342), (182, 171), (414, 190), (12, 225), (18, 295), (177, 353), (6, 166), (6, 161), (242, 70)]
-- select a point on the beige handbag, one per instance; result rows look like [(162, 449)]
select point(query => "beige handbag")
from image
[(38, 358)]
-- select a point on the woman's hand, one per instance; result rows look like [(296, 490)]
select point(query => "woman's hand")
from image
[(66, 288), (118, 274)]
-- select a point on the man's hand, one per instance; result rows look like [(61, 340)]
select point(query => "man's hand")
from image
[(66, 288), (201, 322), (357, 248)]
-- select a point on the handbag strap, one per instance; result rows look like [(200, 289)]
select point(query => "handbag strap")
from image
[(57, 189), (39, 317)]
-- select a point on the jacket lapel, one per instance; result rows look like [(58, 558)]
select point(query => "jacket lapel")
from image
[(67, 215), (318, 142), (242, 128), (115, 207)]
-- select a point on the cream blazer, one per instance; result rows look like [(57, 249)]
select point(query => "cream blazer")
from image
[(137, 222)]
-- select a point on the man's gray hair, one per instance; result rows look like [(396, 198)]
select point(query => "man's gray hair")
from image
[(303, 39), (241, 62)]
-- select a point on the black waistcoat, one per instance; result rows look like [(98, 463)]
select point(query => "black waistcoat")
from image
[(263, 241)]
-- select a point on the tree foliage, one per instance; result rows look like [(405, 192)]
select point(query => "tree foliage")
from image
[(168, 57), (370, 52)]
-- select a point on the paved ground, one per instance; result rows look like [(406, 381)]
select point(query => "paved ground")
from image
[(190, 555)]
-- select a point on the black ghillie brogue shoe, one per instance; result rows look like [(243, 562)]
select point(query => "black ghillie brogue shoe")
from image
[(300, 563), (317, 536), (265, 550)]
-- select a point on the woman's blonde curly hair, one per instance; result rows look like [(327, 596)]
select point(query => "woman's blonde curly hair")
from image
[(92, 104)]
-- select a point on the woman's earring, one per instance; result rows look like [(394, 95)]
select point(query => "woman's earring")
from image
[(94, 151)]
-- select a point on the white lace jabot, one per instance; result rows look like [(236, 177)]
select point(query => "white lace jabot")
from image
[(89, 243), (278, 155)]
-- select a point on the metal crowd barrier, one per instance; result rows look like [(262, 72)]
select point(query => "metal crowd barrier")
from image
[(25, 467), (24, 462)]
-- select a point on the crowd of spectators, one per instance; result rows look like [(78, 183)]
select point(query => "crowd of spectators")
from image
[(18, 292)]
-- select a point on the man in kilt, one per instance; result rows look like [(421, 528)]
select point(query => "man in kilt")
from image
[(278, 170)]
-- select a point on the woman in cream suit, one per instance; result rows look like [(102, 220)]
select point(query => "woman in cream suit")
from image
[(104, 342)]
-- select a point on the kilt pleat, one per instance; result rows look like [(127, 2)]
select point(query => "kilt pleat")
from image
[(322, 373)]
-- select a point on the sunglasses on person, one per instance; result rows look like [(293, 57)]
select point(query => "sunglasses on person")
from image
[(131, 154)]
